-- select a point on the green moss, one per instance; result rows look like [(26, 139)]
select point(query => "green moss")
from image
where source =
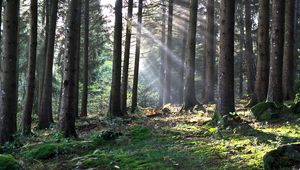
[(265, 111), (47, 151), (8, 162), (138, 133)]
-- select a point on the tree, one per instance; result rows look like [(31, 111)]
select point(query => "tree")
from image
[(115, 103), (45, 108), (137, 57), (288, 56), (249, 57), (8, 74), (226, 61), (77, 60), (189, 98), (168, 58), (162, 53), (126, 58), (85, 60), (67, 116), (263, 58), (28, 104), (210, 53), (275, 77)]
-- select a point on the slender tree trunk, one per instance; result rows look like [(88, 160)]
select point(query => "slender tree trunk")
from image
[(45, 110), (189, 98), (168, 59), (210, 53), (226, 60), (126, 58), (67, 117), (162, 54), (263, 58), (275, 77), (84, 99), (241, 51), (115, 101), (0, 27), (249, 58), (181, 67), (77, 60), (8, 78), (288, 56), (42, 58), (137, 58), (28, 104)]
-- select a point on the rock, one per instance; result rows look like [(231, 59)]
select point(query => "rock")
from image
[(265, 111), (286, 156)]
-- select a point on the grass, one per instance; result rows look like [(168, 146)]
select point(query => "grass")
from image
[(168, 141)]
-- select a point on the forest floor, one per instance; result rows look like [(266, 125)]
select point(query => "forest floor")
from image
[(149, 140)]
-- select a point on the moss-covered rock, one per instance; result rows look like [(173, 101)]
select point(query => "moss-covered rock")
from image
[(283, 157), (265, 111), (47, 151), (8, 162)]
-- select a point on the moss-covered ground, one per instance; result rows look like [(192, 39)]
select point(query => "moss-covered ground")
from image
[(170, 140)]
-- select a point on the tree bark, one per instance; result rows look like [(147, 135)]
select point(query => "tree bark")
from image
[(162, 54), (276, 58), (288, 56), (241, 49), (226, 61), (249, 58), (126, 58), (28, 103), (115, 104), (181, 67), (45, 110), (67, 116), (137, 58), (210, 54), (168, 58), (189, 98), (263, 58), (77, 60), (8, 78), (84, 99)]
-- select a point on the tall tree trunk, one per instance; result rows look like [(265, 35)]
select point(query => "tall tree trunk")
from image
[(162, 54), (276, 58), (126, 58), (42, 57), (67, 116), (169, 57), (77, 60), (189, 98), (263, 58), (28, 104), (249, 58), (84, 99), (45, 110), (226, 60), (137, 58), (241, 24), (0, 27), (288, 56), (8, 78), (181, 67), (210, 53), (115, 101)]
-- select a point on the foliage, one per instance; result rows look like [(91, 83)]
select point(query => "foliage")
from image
[(8, 162)]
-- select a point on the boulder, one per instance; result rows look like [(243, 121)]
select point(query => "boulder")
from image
[(283, 157), (265, 111)]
